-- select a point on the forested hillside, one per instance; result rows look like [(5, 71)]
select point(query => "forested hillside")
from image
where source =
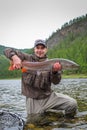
[(73, 29), (75, 50), (69, 42)]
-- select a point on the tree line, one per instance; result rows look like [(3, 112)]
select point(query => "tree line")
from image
[(73, 48)]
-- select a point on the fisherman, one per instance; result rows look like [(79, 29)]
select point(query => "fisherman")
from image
[(36, 85)]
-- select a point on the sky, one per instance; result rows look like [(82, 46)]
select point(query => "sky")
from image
[(24, 21)]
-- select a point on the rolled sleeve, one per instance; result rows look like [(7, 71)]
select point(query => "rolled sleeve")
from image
[(56, 77)]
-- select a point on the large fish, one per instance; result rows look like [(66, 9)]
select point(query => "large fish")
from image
[(66, 64)]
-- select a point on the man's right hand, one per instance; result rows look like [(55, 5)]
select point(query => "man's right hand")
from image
[(16, 62)]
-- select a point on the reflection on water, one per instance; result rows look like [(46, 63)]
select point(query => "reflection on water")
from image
[(12, 100)]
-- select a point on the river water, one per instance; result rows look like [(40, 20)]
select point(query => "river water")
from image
[(12, 100)]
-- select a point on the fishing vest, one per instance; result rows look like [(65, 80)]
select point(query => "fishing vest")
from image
[(36, 84)]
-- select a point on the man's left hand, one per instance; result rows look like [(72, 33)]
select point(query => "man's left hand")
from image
[(57, 66)]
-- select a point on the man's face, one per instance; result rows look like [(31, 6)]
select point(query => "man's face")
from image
[(40, 51)]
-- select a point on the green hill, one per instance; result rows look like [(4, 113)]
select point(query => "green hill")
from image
[(71, 42), (2, 48), (72, 29)]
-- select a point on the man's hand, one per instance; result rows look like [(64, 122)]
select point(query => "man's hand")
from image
[(56, 67), (15, 63)]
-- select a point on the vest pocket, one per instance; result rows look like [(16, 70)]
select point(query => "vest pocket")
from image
[(28, 79)]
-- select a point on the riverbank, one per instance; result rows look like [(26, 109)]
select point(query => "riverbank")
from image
[(63, 76), (75, 76)]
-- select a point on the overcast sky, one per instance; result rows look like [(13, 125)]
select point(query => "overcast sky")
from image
[(24, 21)]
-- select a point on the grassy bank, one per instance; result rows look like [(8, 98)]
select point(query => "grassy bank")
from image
[(63, 76), (75, 76)]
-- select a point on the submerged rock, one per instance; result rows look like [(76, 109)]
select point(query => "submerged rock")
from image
[(53, 120)]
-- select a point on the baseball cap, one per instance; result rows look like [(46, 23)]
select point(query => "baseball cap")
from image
[(40, 42)]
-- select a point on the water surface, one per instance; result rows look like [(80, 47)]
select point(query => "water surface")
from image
[(12, 100)]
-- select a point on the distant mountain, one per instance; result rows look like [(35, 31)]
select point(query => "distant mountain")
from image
[(75, 28), (2, 48)]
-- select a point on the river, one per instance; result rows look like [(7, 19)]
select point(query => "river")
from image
[(12, 100)]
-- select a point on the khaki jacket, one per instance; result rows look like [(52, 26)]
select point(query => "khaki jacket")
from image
[(35, 84)]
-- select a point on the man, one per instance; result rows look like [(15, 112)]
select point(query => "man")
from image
[(36, 85)]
